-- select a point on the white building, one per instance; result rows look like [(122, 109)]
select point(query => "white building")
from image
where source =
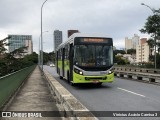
[(131, 43), (128, 44), (142, 53)]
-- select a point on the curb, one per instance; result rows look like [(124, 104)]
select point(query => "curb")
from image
[(67, 103)]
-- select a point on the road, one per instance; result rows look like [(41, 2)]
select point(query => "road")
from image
[(121, 95)]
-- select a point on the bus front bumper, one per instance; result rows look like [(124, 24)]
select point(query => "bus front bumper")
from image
[(77, 78)]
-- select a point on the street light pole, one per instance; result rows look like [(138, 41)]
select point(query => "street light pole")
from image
[(39, 48), (155, 61), (153, 10), (42, 35)]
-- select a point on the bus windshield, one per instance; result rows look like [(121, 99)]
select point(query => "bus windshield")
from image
[(93, 55)]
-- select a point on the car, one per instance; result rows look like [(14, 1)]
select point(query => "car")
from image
[(52, 65)]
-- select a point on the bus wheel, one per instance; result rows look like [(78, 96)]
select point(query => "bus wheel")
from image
[(68, 79), (71, 83), (60, 77), (99, 84)]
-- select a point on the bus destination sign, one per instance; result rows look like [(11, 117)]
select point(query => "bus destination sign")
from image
[(97, 40), (93, 40)]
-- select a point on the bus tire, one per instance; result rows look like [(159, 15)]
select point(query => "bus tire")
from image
[(72, 84), (60, 77), (68, 79), (99, 84)]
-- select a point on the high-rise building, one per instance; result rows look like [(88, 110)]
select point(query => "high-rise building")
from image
[(142, 51), (135, 40), (128, 44), (57, 38), (131, 43), (18, 41), (70, 32)]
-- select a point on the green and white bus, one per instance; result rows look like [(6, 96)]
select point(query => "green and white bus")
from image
[(85, 58)]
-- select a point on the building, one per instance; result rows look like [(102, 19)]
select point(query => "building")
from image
[(142, 51), (128, 44), (57, 38), (18, 41), (131, 43), (114, 48), (70, 32)]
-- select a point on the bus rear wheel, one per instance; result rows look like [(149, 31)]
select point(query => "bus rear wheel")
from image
[(60, 77)]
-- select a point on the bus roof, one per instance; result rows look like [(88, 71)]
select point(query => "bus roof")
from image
[(87, 35), (71, 38)]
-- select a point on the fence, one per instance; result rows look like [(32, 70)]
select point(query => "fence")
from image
[(10, 83)]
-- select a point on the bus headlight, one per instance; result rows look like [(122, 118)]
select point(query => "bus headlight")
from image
[(81, 73), (111, 71), (78, 71)]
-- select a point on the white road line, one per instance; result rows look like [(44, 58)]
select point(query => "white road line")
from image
[(131, 92)]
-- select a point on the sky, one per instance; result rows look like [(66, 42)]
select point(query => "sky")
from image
[(114, 18)]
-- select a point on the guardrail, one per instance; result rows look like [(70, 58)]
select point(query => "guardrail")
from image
[(150, 75), (135, 69), (67, 103), (9, 84)]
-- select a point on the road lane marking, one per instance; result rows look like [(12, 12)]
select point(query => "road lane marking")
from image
[(131, 92)]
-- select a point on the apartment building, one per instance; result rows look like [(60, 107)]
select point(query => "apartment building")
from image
[(142, 51), (131, 43)]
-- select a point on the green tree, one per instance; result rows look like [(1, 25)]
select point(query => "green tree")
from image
[(152, 27), (131, 51), (3, 43), (52, 57), (120, 60)]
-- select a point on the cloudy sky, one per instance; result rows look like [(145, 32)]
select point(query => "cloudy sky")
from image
[(115, 18)]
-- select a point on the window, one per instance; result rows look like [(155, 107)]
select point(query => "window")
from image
[(93, 55)]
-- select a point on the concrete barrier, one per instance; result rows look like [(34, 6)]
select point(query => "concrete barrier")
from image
[(147, 77), (66, 102), (137, 69)]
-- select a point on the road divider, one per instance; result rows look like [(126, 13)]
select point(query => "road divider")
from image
[(140, 74)]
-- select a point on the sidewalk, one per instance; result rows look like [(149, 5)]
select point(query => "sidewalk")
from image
[(34, 96)]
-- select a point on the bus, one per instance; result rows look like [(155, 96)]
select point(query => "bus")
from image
[(85, 58)]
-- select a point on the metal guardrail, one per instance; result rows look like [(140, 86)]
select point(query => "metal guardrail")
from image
[(150, 75), (135, 69)]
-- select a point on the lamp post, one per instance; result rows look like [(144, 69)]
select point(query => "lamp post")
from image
[(42, 35), (154, 11), (39, 48)]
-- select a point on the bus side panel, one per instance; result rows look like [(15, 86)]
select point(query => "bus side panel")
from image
[(56, 61), (66, 61), (71, 51), (63, 55), (59, 62), (66, 68)]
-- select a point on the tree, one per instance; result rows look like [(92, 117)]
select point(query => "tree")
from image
[(52, 57), (152, 27), (3, 43), (19, 52), (131, 51)]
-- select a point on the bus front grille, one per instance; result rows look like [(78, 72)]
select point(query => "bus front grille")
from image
[(95, 78)]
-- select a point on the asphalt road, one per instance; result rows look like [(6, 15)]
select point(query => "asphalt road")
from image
[(121, 95)]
